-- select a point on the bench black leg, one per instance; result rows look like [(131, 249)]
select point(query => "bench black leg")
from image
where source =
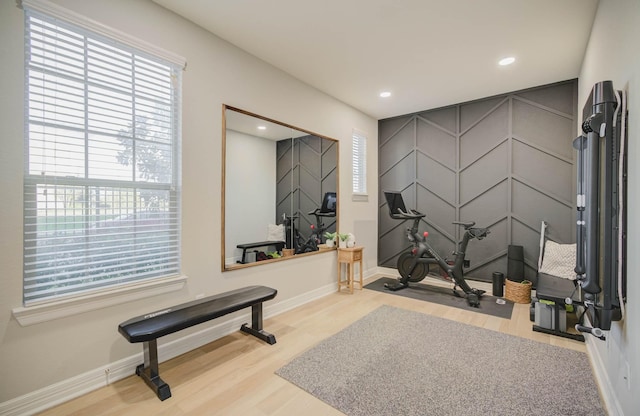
[(150, 373), (244, 256), (256, 325)]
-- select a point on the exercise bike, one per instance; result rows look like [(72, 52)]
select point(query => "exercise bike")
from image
[(413, 265), (296, 241)]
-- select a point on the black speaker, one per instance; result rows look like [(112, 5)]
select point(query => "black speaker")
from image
[(498, 284), (515, 266)]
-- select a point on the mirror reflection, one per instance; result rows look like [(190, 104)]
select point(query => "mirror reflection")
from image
[(279, 193)]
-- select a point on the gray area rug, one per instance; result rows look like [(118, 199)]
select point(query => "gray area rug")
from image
[(444, 296), (395, 362)]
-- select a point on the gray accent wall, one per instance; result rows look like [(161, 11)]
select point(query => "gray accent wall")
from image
[(505, 162), (306, 170)]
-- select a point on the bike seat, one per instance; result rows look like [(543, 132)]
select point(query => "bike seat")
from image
[(466, 225)]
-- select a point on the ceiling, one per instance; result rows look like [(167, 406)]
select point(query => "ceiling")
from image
[(427, 53)]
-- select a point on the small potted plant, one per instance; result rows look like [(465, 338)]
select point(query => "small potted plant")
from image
[(330, 239), (343, 240)]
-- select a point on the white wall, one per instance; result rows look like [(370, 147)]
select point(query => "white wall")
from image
[(612, 54), (250, 179), (217, 73)]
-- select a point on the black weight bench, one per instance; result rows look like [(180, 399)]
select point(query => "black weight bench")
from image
[(279, 245), (148, 328)]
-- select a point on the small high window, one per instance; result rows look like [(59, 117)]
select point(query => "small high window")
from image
[(359, 161)]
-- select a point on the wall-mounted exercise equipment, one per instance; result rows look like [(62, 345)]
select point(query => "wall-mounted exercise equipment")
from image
[(601, 203)]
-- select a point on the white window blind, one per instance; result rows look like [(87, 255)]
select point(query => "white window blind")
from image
[(359, 161), (101, 183)]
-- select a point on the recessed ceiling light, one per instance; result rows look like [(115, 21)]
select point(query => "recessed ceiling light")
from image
[(506, 61), (262, 127), (385, 94)]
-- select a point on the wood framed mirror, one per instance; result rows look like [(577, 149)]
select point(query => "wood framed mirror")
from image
[(273, 174)]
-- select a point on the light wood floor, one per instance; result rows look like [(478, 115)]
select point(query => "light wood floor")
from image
[(235, 375)]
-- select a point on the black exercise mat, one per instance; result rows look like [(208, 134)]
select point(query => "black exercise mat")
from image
[(444, 296)]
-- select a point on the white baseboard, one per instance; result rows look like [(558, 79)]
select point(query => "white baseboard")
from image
[(71, 388), (611, 403)]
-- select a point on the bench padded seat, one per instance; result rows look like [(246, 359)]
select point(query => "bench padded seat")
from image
[(148, 328), (556, 289), (279, 245), (167, 321)]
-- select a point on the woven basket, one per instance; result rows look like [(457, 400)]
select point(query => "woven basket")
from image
[(518, 292)]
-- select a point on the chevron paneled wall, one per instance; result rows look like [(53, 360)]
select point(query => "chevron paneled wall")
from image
[(306, 169), (505, 162)]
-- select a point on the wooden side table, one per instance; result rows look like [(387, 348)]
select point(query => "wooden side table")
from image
[(349, 256)]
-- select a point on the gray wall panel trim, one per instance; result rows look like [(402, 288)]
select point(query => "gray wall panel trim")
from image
[(493, 222), (408, 155), (401, 190), (488, 260), (452, 205), (384, 141), (557, 198), (490, 149), (389, 231), (484, 191), (529, 129), (522, 221), (484, 116), (510, 177), (432, 157), (543, 107), (308, 168), (536, 232), (431, 226), (439, 127), (458, 123), (543, 149)]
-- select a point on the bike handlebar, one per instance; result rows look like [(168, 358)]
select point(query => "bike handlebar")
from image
[(413, 214)]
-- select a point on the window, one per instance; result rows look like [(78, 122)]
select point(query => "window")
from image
[(101, 183), (359, 155)]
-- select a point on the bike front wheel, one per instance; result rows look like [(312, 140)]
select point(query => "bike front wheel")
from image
[(405, 262)]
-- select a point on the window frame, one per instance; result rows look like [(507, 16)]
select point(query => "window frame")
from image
[(359, 189), (55, 307)]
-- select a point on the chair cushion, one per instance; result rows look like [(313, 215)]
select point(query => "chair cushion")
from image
[(559, 260), (275, 232)]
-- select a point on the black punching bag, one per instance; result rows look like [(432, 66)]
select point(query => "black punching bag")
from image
[(515, 266)]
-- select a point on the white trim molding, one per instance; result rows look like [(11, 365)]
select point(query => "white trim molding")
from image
[(71, 388), (607, 392), (34, 314), (59, 12)]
